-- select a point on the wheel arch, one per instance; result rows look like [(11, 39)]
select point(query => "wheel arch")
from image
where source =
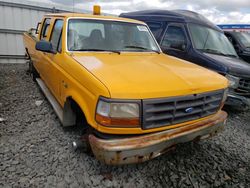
[(73, 107)]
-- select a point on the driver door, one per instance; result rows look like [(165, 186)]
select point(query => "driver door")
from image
[(53, 73)]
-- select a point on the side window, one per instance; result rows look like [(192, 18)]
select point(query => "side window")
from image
[(45, 28), (174, 38), (156, 28), (56, 35)]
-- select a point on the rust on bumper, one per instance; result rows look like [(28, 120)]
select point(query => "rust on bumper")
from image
[(142, 148)]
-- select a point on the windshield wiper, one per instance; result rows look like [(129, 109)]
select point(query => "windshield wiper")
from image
[(213, 51), (143, 48), (98, 50)]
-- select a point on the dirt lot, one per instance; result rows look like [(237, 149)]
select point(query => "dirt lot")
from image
[(35, 151)]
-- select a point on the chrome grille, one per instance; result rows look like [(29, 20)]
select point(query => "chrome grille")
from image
[(169, 111), (244, 84)]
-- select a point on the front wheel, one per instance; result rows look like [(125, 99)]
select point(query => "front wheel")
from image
[(84, 131)]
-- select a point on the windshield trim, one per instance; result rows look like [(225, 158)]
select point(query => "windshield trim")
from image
[(107, 19)]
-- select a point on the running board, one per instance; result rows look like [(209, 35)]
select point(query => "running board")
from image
[(55, 105)]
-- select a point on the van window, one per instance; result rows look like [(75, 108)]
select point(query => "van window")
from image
[(174, 38), (45, 28), (56, 35), (155, 27)]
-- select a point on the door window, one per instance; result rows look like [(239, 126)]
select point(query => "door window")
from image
[(56, 35), (45, 28), (174, 38)]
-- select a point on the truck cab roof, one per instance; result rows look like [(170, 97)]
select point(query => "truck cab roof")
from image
[(173, 15), (92, 16)]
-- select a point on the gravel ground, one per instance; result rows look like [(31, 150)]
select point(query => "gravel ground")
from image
[(35, 150)]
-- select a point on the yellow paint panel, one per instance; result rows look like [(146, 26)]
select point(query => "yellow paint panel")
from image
[(85, 76), (149, 75)]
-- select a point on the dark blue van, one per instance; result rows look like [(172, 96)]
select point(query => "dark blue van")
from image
[(192, 37)]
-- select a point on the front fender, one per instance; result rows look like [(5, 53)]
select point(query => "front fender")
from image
[(87, 105)]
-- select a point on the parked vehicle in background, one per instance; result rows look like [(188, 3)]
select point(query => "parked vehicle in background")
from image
[(190, 36), (109, 75), (235, 27), (241, 43)]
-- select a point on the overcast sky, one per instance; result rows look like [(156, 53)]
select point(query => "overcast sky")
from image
[(218, 11)]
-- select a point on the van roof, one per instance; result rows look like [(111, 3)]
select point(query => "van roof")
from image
[(173, 15)]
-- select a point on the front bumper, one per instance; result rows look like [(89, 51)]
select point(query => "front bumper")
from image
[(142, 148), (237, 100)]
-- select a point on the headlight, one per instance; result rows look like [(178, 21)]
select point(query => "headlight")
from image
[(233, 81), (225, 96), (118, 113)]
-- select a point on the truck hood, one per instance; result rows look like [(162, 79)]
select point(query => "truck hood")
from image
[(149, 75), (235, 66)]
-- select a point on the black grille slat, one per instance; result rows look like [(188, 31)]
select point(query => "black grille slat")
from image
[(213, 100), (185, 119), (173, 110), (210, 107), (160, 109), (194, 104), (183, 114), (160, 117), (244, 84)]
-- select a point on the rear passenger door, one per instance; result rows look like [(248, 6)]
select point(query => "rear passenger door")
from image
[(174, 41), (40, 63), (45, 29)]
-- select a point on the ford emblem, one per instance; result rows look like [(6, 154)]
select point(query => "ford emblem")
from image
[(189, 110)]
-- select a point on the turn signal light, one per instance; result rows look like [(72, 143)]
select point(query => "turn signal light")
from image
[(117, 122)]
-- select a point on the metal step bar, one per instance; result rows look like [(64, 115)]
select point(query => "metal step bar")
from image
[(55, 105)]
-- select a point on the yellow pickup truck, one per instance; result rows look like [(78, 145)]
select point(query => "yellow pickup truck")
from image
[(109, 74)]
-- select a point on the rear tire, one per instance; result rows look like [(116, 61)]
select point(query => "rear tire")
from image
[(33, 71)]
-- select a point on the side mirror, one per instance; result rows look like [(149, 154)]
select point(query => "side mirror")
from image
[(45, 46)]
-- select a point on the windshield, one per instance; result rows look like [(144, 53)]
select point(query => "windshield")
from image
[(211, 41), (104, 35), (244, 38)]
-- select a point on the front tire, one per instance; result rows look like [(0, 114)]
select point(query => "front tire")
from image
[(84, 130)]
